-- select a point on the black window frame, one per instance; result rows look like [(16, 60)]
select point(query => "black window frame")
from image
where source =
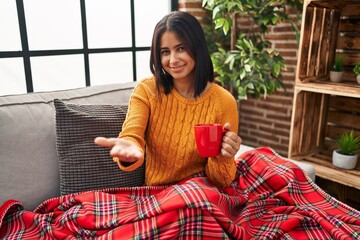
[(25, 53)]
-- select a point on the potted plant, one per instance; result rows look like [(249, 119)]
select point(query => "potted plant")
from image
[(337, 70), (346, 155), (356, 70), (246, 63)]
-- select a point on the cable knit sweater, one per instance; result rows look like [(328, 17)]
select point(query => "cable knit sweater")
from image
[(166, 127)]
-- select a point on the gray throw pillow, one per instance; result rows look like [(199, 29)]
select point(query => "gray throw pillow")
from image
[(84, 165)]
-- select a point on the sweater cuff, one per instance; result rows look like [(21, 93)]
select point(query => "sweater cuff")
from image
[(128, 167), (221, 170)]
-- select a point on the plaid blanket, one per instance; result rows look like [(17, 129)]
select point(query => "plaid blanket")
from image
[(271, 198)]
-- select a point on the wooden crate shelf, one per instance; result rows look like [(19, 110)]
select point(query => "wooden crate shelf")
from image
[(346, 194), (328, 28), (326, 170), (321, 109), (319, 116)]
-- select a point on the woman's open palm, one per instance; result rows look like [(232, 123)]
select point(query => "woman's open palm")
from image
[(125, 150)]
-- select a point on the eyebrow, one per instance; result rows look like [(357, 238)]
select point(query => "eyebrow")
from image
[(179, 45)]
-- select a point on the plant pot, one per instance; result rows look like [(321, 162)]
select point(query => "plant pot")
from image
[(358, 78), (336, 76), (344, 161)]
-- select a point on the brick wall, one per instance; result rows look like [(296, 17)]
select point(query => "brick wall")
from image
[(193, 7), (265, 122)]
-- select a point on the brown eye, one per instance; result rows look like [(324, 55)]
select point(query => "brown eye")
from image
[(164, 52)]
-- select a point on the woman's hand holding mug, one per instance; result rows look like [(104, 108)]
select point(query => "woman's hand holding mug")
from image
[(213, 140)]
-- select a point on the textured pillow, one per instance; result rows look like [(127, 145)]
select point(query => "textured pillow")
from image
[(84, 165)]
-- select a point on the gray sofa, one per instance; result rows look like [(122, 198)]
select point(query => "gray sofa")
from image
[(29, 169), (29, 163)]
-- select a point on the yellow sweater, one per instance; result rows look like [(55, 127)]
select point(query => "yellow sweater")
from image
[(166, 127)]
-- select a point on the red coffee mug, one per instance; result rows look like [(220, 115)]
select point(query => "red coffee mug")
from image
[(208, 138)]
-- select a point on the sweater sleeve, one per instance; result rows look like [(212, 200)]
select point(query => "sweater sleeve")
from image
[(136, 121), (220, 170)]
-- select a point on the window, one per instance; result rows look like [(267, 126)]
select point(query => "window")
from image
[(48, 45)]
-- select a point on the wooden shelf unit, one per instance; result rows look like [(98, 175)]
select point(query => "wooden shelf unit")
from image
[(321, 109)]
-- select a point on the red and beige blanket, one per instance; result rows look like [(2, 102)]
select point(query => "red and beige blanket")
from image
[(271, 198)]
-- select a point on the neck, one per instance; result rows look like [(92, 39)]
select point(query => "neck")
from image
[(185, 89), (188, 91)]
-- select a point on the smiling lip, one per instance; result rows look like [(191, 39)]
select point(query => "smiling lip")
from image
[(176, 69)]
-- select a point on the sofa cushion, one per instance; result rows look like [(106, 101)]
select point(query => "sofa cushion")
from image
[(84, 165), (29, 169)]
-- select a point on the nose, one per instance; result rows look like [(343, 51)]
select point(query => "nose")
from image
[(174, 57)]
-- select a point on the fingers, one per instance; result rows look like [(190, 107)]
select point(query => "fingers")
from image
[(230, 145), (105, 142), (126, 153), (227, 126), (125, 150)]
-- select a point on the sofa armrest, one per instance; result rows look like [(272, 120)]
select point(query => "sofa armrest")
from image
[(307, 168)]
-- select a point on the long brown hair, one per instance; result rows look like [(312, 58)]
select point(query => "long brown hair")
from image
[(189, 30)]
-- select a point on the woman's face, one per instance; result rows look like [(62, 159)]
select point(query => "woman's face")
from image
[(175, 58)]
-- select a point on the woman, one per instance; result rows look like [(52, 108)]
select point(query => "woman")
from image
[(163, 110), (270, 198)]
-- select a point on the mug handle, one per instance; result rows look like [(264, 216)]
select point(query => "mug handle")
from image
[(224, 130)]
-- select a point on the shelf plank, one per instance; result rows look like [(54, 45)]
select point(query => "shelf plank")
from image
[(331, 3), (324, 169), (340, 89)]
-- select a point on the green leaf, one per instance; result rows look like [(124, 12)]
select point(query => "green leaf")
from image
[(230, 5), (215, 11), (240, 6), (250, 85), (219, 23), (231, 66), (242, 73), (248, 43), (226, 26), (348, 143), (229, 59), (274, 20), (204, 2), (277, 69), (247, 68), (266, 21), (265, 90), (242, 93)]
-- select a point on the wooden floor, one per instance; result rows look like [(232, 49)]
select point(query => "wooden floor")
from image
[(337, 190)]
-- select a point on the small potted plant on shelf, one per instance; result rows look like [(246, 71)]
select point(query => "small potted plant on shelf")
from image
[(337, 70), (346, 155), (356, 70)]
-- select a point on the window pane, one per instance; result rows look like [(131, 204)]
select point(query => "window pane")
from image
[(53, 24), (9, 27), (108, 23), (12, 76), (106, 68), (143, 65), (58, 72), (147, 14)]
